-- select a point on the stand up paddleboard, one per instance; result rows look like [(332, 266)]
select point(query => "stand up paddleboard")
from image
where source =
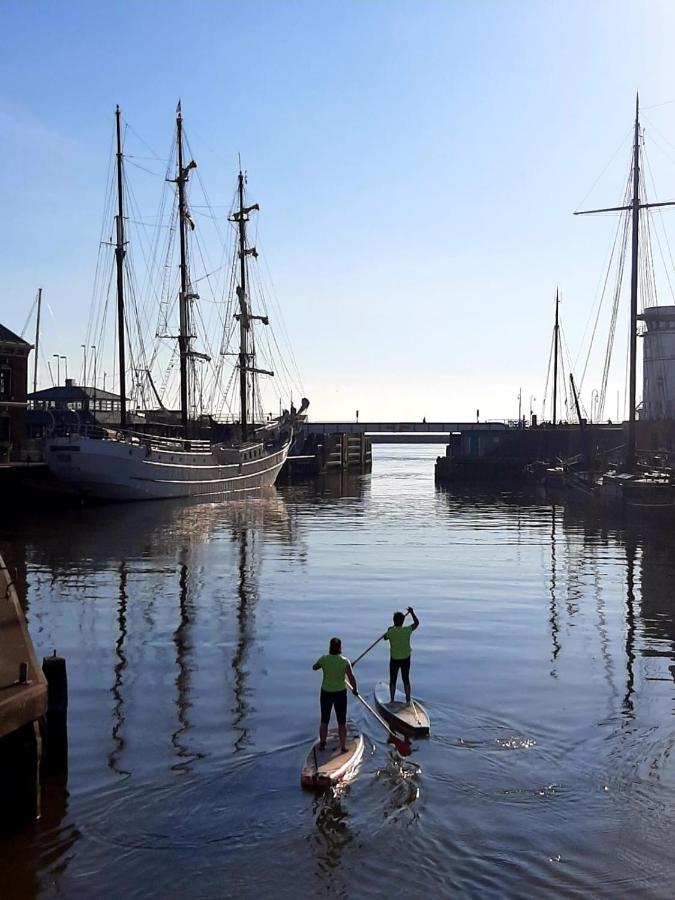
[(412, 720), (324, 768)]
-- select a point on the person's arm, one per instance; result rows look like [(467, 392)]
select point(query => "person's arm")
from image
[(416, 621), (386, 635), (317, 665), (352, 680)]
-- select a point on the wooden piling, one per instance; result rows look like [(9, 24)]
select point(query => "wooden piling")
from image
[(56, 744)]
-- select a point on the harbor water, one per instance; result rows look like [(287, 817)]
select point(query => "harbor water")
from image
[(545, 656)]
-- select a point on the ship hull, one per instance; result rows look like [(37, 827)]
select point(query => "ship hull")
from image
[(642, 495), (118, 470)]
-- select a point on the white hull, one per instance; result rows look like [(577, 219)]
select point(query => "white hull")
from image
[(106, 469)]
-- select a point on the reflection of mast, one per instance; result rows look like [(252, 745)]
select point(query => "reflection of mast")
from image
[(553, 607), (181, 640), (246, 600), (630, 627), (608, 663), (120, 666)]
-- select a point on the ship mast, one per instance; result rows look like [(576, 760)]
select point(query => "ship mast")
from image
[(635, 246), (119, 260), (634, 207), (245, 317), (186, 294), (182, 300), (556, 329), (37, 339), (243, 313)]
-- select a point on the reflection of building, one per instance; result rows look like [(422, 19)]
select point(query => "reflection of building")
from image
[(657, 605), (658, 363), (13, 385), (70, 406)]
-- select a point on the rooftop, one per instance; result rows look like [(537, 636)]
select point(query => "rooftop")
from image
[(10, 338), (69, 391)]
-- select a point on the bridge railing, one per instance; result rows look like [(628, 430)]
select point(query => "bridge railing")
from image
[(354, 427)]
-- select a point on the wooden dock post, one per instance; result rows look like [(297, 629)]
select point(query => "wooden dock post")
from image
[(56, 743)]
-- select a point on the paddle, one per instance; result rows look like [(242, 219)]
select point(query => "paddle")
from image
[(401, 745), (374, 644)]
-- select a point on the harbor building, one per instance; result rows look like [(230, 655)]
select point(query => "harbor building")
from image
[(71, 406), (658, 363), (13, 389)]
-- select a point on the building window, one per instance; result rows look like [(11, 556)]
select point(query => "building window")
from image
[(5, 382)]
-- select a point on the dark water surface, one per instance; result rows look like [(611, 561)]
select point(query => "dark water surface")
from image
[(546, 657)]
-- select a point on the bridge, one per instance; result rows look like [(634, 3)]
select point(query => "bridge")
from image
[(421, 432)]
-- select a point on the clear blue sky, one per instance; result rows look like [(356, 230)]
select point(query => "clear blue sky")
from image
[(417, 164)]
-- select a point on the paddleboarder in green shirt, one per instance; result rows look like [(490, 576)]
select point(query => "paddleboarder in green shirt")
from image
[(336, 668), (398, 636)]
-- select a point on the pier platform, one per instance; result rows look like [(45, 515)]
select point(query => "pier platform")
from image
[(20, 703)]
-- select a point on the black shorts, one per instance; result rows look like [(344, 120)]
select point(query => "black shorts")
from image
[(337, 699), (395, 665)]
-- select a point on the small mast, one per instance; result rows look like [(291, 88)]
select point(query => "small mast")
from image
[(37, 339), (556, 330), (185, 295), (120, 253)]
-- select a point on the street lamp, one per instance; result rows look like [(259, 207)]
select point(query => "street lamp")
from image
[(93, 347), (533, 399), (58, 369), (66, 361), (84, 364)]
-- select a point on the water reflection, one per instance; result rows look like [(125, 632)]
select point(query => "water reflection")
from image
[(174, 617), (331, 837), (246, 598), (182, 640), (402, 782), (630, 628), (657, 599), (120, 666), (553, 606), (74, 542), (582, 543)]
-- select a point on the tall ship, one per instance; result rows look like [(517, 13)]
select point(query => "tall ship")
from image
[(161, 452), (641, 479)]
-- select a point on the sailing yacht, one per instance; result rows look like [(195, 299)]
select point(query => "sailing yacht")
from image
[(142, 462)]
